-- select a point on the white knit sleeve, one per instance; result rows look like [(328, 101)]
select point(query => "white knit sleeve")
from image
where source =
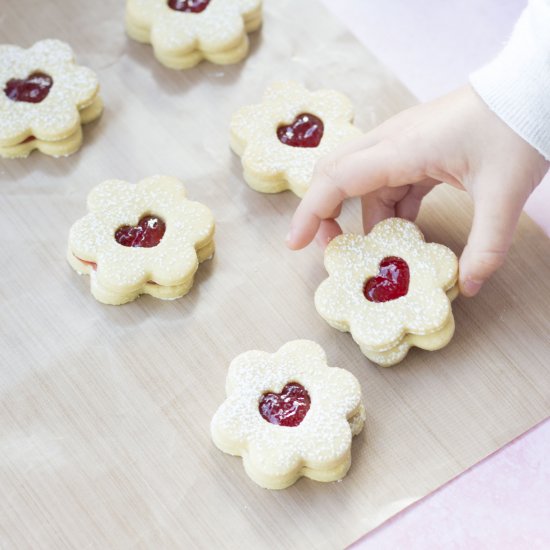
[(516, 85)]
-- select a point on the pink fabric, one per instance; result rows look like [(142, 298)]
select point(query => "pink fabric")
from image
[(503, 502)]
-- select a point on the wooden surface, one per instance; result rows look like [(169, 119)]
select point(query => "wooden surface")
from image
[(105, 411)]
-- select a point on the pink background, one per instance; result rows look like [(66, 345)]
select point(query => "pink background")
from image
[(503, 502)]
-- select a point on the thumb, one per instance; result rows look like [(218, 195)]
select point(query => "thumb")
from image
[(495, 219)]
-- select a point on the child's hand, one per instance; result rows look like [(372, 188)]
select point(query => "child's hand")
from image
[(455, 139)]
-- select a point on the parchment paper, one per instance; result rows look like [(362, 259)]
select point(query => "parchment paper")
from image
[(105, 411)]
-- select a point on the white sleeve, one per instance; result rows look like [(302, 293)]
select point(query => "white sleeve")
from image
[(516, 84)]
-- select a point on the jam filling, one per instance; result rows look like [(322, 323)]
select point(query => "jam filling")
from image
[(33, 89), (392, 281), (93, 265), (287, 408), (306, 131), (146, 234), (188, 6)]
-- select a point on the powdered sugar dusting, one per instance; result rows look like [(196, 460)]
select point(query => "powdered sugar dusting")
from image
[(181, 39), (126, 272), (381, 327), (277, 455), (57, 116), (270, 166)]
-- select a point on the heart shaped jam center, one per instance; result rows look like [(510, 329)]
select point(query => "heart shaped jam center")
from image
[(33, 89), (287, 408), (146, 234), (306, 131), (391, 283), (188, 6)]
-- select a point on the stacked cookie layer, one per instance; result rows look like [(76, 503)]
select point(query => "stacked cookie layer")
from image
[(430, 341), (113, 295), (183, 35), (60, 145), (391, 290), (308, 435), (272, 162), (45, 100), (120, 246)]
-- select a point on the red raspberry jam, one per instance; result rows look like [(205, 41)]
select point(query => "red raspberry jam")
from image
[(146, 234), (306, 131), (391, 283), (188, 6), (287, 408), (33, 89), (93, 265)]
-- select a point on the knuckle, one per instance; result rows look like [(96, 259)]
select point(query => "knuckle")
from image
[(390, 147), (386, 202), (327, 167), (409, 152), (491, 260)]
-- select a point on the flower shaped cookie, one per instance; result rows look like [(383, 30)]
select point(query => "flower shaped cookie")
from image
[(183, 32), (281, 139), (289, 414), (390, 289), (44, 99), (141, 239)]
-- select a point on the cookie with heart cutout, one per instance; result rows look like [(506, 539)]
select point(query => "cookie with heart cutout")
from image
[(184, 32), (44, 100), (147, 238), (280, 139), (390, 289), (288, 414)]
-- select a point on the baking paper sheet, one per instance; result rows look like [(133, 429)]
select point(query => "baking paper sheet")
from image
[(105, 411)]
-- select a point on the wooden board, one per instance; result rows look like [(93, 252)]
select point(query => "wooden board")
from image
[(105, 411)]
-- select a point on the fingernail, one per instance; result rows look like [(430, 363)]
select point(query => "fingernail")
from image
[(470, 287), (289, 237)]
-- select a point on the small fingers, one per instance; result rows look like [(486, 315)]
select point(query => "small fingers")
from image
[(409, 206), (392, 126), (380, 205), (356, 174), (327, 231), (495, 219), (403, 202)]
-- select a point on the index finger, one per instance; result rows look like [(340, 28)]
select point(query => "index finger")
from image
[(352, 175)]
